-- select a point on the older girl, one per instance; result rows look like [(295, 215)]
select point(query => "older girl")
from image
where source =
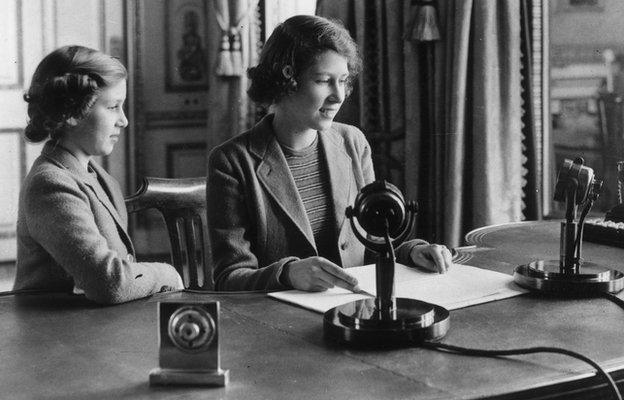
[(277, 193)]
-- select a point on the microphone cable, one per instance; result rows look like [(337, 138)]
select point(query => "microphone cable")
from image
[(529, 350), (614, 299)]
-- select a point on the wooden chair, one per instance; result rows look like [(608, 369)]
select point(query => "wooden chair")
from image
[(182, 203)]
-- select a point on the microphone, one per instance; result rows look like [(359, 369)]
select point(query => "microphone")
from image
[(387, 220), (576, 186)]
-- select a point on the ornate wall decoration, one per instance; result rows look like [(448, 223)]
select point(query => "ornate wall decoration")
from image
[(186, 38)]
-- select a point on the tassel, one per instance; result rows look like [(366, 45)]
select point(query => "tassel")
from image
[(235, 53), (423, 26), (224, 58), (230, 58)]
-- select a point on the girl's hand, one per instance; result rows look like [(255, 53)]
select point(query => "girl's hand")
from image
[(432, 257), (316, 274)]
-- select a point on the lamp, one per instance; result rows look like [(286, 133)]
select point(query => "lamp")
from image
[(385, 320), (576, 186)]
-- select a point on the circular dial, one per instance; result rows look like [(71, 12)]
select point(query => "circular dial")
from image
[(191, 329)]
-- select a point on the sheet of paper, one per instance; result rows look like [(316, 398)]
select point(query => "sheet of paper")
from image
[(318, 301), (461, 286)]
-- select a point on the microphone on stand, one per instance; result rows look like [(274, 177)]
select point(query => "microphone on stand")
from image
[(387, 220), (576, 186)]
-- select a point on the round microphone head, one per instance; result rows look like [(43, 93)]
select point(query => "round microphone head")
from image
[(377, 203), (574, 172)]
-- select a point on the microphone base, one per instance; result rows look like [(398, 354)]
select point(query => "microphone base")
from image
[(547, 277), (411, 322)]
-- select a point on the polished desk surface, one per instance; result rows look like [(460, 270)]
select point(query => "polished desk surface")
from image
[(61, 346)]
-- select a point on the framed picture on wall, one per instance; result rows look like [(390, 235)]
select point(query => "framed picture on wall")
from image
[(186, 51)]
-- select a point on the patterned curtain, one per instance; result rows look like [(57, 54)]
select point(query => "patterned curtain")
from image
[(533, 129)]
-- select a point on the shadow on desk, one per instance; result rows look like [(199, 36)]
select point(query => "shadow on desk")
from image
[(46, 300)]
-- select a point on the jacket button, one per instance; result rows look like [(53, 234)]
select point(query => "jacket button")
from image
[(344, 245), (130, 258)]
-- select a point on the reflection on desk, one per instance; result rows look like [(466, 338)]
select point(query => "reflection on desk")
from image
[(62, 346)]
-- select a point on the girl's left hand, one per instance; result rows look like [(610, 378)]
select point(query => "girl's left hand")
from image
[(432, 257)]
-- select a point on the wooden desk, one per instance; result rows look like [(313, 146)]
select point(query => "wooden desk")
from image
[(63, 347)]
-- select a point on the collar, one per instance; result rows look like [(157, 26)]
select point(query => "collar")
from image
[(62, 157)]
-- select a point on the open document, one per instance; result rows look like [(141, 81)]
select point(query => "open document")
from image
[(461, 286)]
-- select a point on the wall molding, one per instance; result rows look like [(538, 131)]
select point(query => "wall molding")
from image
[(562, 55), (176, 119), (16, 129), (8, 231)]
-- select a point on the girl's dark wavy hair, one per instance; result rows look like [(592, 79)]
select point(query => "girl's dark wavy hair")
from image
[(295, 43), (65, 85)]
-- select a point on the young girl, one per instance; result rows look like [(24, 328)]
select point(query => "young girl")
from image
[(277, 193), (72, 221)]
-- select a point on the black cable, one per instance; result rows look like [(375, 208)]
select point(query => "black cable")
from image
[(528, 350), (614, 298)]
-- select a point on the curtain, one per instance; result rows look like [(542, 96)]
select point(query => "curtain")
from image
[(230, 111), (480, 112), (461, 144), (277, 11), (382, 103)]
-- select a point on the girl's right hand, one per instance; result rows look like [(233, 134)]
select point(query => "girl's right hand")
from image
[(316, 274)]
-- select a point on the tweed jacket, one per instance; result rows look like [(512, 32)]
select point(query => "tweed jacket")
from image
[(72, 234), (256, 219)]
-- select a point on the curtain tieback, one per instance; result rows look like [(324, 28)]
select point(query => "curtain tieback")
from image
[(230, 57)]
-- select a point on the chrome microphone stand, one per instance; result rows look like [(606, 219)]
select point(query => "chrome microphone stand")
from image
[(576, 186)]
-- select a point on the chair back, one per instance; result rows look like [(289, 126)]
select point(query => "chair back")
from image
[(182, 203)]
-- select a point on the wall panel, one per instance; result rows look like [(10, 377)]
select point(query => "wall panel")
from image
[(168, 120), (10, 179)]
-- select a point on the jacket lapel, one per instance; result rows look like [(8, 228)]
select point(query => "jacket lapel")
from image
[(105, 200), (340, 174), (115, 203), (274, 175), (65, 159)]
